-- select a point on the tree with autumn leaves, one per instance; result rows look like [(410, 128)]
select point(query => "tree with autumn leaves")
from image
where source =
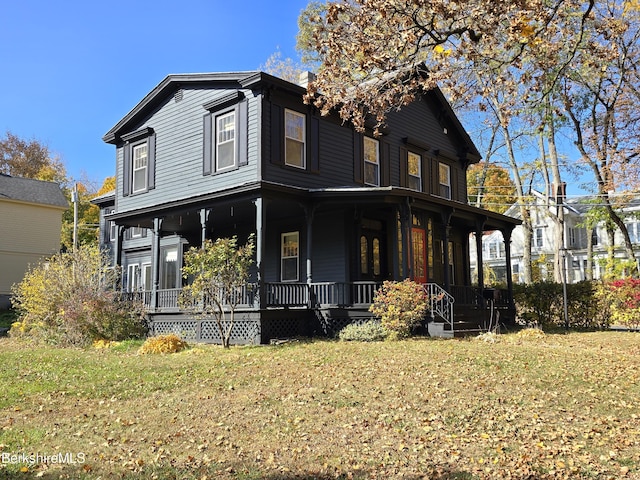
[(541, 70)]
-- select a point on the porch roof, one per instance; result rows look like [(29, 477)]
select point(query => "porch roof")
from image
[(468, 214)]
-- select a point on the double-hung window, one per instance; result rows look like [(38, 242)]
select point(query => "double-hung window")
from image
[(225, 141), (444, 175), (539, 238), (371, 162), (225, 134), (140, 165), (112, 227), (289, 254), (414, 171), (294, 133)]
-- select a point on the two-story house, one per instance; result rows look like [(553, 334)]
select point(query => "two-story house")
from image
[(31, 218), (334, 211), (585, 250)]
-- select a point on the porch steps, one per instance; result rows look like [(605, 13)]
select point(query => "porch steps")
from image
[(468, 321)]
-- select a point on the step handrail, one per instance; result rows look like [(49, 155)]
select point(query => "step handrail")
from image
[(441, 302)]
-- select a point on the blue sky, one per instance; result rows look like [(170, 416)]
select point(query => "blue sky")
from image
[(70, 70)]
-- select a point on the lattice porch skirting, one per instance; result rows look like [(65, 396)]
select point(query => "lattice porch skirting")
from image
[(255, 327)]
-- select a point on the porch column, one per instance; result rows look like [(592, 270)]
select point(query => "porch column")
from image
[(506, 235), (479, 260), (155, 263), (204, 219), (117, 254), (309, 213), (446, 231), (260, 205), (407, 244)]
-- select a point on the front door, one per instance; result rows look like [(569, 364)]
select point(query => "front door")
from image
[(373, 258), (419, 262)]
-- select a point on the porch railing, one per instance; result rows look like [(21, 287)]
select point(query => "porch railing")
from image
[(322, 294), (441, 302)]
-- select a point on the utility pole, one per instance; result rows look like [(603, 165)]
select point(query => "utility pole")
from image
[(74, 200)]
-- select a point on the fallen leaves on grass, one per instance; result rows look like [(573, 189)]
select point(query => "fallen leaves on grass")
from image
[(564, 407)]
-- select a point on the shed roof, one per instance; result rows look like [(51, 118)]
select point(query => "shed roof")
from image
[(31, 191)]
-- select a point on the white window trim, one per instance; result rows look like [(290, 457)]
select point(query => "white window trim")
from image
[(133, 277), (143, 275), (134, 170), (217, 144), (419, 176), (375, 163), (303, 141), (448, 184), (284, 257)]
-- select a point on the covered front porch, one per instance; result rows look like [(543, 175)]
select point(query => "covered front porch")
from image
[(320, 257), (319, 309)]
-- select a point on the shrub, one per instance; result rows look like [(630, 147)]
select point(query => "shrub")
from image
[(542, 304), (163, 344), (401, 307), (371, 331), (69, 301), (623, 297)]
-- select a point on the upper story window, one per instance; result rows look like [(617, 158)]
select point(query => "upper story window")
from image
[(371, 162), (634, 232), (414, 171), (444, 175), (538, 239), (495, 248), (295, 147), (140, 168), (139, 161), (225, 135), (137, 232)]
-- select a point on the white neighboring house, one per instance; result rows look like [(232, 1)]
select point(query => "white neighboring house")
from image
[(542, 242), (30, 222)]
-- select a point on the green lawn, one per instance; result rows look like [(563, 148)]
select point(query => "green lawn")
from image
[(560, 406)]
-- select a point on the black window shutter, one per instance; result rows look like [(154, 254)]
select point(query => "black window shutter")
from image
[(207, 157), (385, 164), (425, 174), (358, 157), (404, 170), (151, 171), (241, 132), (126, 169), (314, 145), (277, 135)]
